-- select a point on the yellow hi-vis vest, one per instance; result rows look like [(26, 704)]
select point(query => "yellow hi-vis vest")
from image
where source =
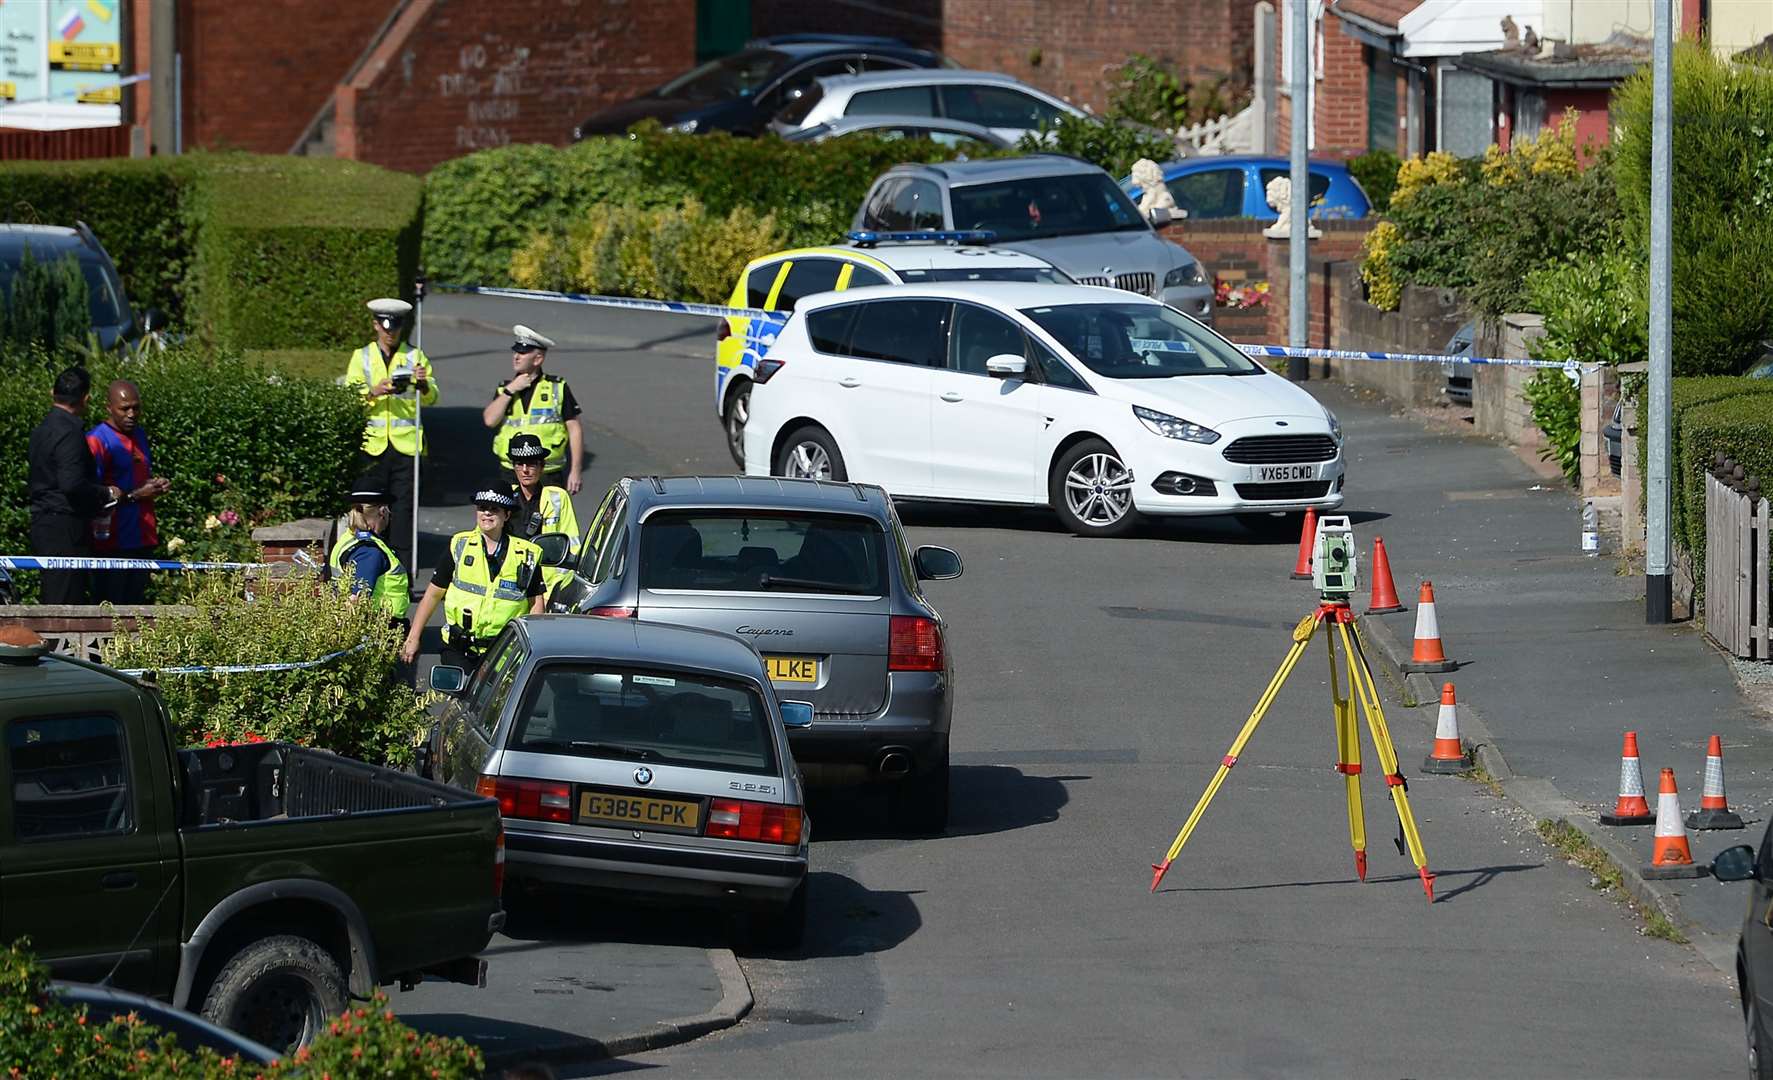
[(542, 419), (392, 592), (556, 507), (393, 418), (472, 589)]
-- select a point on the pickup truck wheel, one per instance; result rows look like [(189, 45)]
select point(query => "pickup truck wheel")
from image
[(280, 991)]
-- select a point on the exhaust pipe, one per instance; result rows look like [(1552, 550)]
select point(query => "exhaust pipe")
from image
[(893, 762)]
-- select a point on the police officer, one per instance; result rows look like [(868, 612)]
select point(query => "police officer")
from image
[(387, 372), (363, 563), (542, 405), (541, 508), (485, 579)]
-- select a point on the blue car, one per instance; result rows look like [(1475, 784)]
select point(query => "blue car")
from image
[(1233, 186)]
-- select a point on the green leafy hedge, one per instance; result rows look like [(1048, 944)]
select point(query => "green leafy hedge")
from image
[(238, 440), (481, 209), (1722, 226), (258, 251)]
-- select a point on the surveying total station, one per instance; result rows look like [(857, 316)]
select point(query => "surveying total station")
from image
[(1333, 572)]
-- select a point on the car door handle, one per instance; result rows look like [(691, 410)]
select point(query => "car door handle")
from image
[(952, 396), (118, 880), (849, 381)]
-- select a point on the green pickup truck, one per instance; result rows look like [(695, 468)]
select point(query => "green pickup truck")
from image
[(264, 884)]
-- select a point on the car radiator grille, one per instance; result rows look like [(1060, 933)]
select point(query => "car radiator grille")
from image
[(1139, 283), (1293, 492), (1281, 449)]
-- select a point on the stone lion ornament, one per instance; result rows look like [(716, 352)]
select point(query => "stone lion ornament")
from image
[(1152, 192), (1279, 194)]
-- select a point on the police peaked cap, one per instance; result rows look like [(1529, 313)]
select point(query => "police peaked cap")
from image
[(390, 309), (370, 495), (526, 447), (526, 336), (492, 497)]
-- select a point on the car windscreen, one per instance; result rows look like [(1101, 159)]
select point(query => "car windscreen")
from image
[(1140, 341), (1042, 275), (737, 76), (644, 714), (762, 551), (801, 106), (1043, 206)]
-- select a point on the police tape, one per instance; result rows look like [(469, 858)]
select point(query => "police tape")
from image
[(778, 319), (72, 562), (244, 669)]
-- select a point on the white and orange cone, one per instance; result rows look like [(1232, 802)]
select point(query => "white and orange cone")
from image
[(1427, 654), (1672, 857), (1448, 755), (1631, 809), (1714, 810)]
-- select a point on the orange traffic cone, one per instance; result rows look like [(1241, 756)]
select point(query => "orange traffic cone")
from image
[(1384, 600), (1714, 809), (1307, 541), (1672, 857), (1448, 755), (1427, 655), (1631, 809)]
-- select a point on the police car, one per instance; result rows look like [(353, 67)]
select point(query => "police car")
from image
[(777, 282)]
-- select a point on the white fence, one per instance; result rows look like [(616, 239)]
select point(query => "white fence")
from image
[(1736, 570), (1229, 134)]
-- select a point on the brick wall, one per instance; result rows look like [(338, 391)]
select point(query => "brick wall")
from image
[(1340, 96), (1338, 246), (1423, 322), (1074, 47), (455, 76), (918, 22), (1231, 250), (256, 73)]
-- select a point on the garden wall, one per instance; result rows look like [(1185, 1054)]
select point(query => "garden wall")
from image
[(1423, 322)]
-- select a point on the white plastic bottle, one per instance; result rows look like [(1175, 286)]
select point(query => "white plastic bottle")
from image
[(1591, 529)]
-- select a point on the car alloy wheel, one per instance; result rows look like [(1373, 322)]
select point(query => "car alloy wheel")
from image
[(1099, 490), (738, 410), (808, 461)]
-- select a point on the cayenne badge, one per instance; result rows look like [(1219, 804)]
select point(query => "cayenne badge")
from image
[(643, 775)]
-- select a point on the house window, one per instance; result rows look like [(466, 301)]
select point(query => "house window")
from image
[(1465, 99), (1382, 112)]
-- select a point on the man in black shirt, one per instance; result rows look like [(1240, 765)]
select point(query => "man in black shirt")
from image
[(64, 490)]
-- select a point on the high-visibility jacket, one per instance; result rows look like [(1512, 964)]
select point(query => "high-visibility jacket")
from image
[(393, 418), (473, 591), (556, 508), (542, 419), (392, 592)]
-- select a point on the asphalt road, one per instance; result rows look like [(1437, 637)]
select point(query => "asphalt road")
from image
[(1098, 684)]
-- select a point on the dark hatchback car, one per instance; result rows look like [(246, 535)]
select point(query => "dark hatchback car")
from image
[(819, 578), (1754, 952), (742, 92), (111, 318)]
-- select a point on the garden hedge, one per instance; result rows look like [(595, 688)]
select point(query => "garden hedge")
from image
[(247, 251), (482, 208)]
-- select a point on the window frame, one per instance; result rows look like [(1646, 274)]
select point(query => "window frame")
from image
[(941, 363), (130, 789), (837, 284)]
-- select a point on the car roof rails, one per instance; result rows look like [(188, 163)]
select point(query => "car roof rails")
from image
[(658, 485), (867, 238), (861, 495)]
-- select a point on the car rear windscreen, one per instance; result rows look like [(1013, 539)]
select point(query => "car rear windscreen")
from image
[(772, 551), (653, 716)]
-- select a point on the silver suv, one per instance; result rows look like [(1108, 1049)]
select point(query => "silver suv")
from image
[(1064, 210), (818, 577)]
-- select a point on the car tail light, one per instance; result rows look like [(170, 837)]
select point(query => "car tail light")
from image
[(499, 864), (740, 819), (613, 612), (723, 330), (533, 800), (766, 370), (914, 644)]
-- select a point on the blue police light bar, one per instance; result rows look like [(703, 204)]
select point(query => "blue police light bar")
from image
[(869, 238)]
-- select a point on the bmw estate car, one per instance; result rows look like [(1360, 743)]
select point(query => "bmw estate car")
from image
[(1103, 405)]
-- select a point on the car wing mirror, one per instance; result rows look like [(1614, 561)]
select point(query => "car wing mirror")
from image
[(1159, 216), (557, 548), (1006, 366), (447, 679), (1735, 864), (797, 714), (936, 563)]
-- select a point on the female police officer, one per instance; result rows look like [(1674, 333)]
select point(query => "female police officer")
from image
[(362, 562), (541, 508), (484, 580)]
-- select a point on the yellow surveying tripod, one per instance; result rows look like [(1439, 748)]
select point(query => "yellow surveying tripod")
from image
[(1332, 611)]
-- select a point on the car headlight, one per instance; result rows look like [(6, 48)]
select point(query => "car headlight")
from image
[(1335, 426), (688, 127), (1189, 273), (1174, 427)]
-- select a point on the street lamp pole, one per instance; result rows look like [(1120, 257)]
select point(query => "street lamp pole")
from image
[(1658, 594), (1299, 368)]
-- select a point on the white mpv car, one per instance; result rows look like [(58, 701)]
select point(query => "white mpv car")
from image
[(1099, 403)]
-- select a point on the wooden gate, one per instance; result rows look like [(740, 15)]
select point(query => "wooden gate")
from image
[(1736, 570)]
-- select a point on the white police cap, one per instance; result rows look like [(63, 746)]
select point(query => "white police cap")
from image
[(495, 497), (526, 336), (393, 309)]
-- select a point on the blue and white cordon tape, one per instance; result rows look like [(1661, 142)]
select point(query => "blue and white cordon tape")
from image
[(242, 669), (765, 325), (73, 562)]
